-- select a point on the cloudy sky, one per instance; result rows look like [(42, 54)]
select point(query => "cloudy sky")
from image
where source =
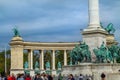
[(52, 20)]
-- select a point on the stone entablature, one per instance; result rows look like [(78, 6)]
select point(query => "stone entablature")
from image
[(49, 46), (43, 45)]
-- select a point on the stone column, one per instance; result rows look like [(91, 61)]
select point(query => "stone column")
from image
[(30, 59), (94, 21), (65, 58), (94, 35), (53, 60), (42, 60)]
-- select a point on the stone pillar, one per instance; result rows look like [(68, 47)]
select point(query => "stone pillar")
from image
[(94, 20), (65, 58), (16, 55), (94, 35), (42, 60), (53, 60), (30, 59)]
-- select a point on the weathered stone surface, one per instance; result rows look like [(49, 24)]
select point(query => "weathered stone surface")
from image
[(92, 69)]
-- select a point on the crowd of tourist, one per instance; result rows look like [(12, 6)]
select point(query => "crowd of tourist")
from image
[(44, 76)]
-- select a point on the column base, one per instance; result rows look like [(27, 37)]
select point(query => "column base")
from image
[(54, 72), (17, 71)]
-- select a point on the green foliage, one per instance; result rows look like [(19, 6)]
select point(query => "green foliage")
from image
[(2, 61)]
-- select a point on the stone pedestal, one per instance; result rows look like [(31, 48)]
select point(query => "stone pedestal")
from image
[(16, 55), (92, 69), (94, 39), (32, 73), (16, 71), (113, 76)]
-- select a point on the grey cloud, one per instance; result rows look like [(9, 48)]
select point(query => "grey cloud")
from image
[(57, 17)]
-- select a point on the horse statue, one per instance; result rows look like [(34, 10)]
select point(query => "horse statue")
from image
[(98, 55), (86, 53), (103, 54), (110, 29), (81, 53), (114, 52), (74, 55)]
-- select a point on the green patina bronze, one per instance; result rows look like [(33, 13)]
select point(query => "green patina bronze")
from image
[(26, 65), (80, 53), (47, 65), (59, 65), (110, 29), (107, 54), (101, 53), (16, 32), (36, 65), (115, 52), (104, 54)]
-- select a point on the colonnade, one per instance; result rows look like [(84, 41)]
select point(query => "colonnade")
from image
[(41, 59), (18, 46)]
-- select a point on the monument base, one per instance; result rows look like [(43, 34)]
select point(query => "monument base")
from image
[(92, 69), (17, 71)]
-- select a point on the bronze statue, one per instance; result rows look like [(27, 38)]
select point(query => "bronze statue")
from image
[(59, 65), (114, 49), (110, 29), (26, 65), (80, 53), (36, 65), (16, 32), (47, 65), (101, 53)]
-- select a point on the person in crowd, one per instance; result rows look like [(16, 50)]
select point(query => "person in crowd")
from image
[(38, 77), (50, 77), (20, 77), (0, 77), (103, 76), (13, 76), (60, 77), (9, 77), (27, 77), (81, 77), (44, 76), (70, 77)]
